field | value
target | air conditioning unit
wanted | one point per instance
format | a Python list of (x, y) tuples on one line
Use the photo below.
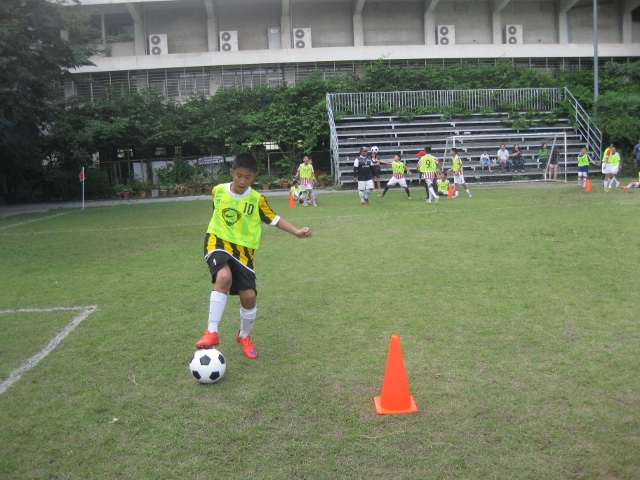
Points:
[(301, 38), (446, 35), (158, 44), (513, 34), (229, 41)]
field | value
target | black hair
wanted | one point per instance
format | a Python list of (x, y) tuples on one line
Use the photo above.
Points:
[(427, 149), (295, 181), (454, 150), (245, 160), (399, 156)]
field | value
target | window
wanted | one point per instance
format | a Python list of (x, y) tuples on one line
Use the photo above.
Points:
[(161, 152), (118, 24), (125, 153)]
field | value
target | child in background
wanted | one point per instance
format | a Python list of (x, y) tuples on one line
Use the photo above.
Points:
[(296, 191), (232, 237), (443, 184), (485, 161)]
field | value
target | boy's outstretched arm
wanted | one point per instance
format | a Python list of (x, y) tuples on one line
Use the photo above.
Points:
[(287, 227)]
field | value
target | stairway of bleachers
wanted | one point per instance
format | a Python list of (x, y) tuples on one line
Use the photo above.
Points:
[(392, 135)]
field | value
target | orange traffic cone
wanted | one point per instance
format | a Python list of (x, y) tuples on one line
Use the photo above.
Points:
[(450, 194), (395, 396), (292, 204), (587, 187)]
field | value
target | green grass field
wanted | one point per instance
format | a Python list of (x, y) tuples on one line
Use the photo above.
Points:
[(517, 312)]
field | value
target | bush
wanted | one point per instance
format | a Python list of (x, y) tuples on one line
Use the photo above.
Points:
[(59, 185)]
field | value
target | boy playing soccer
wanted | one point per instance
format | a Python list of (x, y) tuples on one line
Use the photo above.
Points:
[(232, 236), (583, 167), (398, 168), (458, 175), (307, 179), (442, 184), (296, 191), (427, 166)]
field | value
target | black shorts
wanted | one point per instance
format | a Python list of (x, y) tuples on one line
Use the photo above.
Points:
[(241, 277)]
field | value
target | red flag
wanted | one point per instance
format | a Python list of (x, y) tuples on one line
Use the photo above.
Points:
[(81, 175)]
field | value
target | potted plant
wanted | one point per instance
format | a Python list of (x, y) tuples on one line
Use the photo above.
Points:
[(164, 190), (265, 181), (122, 190), (284, 183), (324, 180)]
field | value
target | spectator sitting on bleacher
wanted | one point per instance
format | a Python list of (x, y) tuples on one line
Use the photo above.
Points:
[(485, 160), (504, 159), (518, 161)]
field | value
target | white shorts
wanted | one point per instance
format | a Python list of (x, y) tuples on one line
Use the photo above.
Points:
[(459, 179), (365, 184), (397, 181), (306, 186), (429, 181), (614, 170)]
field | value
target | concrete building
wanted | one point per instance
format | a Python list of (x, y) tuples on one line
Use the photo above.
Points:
[(197, 46)]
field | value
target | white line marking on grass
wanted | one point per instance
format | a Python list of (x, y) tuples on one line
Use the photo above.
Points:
[(34, 220), (53, 343)]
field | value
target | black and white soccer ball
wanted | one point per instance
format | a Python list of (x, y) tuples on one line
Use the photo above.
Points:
[(208, 365), (374, 149)]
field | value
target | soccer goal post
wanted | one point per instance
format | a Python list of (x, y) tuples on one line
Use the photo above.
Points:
[(527, 167)]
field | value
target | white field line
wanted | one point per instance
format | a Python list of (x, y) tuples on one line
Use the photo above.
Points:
[(53, 343), (34, 220)]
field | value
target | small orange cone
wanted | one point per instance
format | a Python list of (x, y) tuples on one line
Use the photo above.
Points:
[(292, 204), (450, 194), (395, 396), (587, 187)]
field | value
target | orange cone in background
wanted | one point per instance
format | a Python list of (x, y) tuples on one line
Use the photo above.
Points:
[(395, 396), (292, 204), (587, 187), (450, 194)]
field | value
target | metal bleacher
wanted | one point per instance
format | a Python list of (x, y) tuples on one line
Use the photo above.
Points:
[(394, 134)]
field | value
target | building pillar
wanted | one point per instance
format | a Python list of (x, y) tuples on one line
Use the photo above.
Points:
[(139, 31), (627, 26), (213, 44), (430, 22), (358, 30)]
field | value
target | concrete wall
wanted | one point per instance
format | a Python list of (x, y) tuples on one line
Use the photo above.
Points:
[(581, 24), (387, 23), (471, 19), (331, 23), (185, 24), (538, 20), (252, 24)]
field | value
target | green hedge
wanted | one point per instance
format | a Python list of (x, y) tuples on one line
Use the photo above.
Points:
[(65, 186)]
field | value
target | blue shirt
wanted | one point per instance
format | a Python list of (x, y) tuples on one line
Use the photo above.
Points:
[(636, 150)]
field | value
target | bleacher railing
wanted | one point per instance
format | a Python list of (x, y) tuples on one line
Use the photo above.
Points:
[(589, 131), (371, 103)]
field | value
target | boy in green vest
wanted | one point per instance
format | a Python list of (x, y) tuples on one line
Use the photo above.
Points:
[(296, 192), (583, 167), (398, 168), (232, 237)]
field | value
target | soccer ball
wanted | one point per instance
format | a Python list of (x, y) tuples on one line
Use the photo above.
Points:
[(207, 365), (374, 149)]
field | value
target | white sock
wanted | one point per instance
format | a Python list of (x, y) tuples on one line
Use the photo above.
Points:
[(361, 193), (432, 194), (247, 317), (217, 303), (468, 192)]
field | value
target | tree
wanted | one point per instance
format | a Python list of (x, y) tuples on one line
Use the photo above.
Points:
[(40, 41)]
